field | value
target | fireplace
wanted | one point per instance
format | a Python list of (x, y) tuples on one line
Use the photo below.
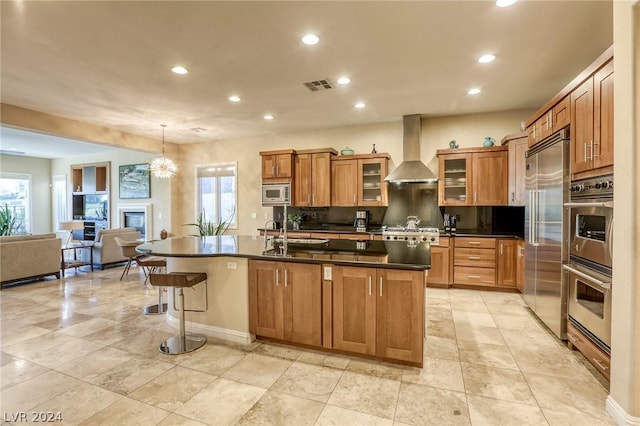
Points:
[(139, 216)]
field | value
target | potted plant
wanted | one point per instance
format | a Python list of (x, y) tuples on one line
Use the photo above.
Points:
[(9, 223), (208, 228), (296, 220)]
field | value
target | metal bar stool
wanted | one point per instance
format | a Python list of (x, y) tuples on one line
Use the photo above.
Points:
[(183, 343), (150, 265)]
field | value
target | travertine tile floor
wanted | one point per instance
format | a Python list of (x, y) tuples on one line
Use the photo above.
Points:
[(81, 347)]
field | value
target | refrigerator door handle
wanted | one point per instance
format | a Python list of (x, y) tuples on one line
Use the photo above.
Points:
[(531, 209)]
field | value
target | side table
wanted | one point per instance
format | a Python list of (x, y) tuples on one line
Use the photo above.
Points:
[(77, 259)]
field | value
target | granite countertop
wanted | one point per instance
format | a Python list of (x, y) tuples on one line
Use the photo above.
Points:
[(377, 229), (476, 233), (387, 254)]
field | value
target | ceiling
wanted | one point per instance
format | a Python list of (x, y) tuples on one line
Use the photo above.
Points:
[(108, 63)]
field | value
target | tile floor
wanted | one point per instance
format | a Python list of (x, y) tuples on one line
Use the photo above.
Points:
[(81, 347)]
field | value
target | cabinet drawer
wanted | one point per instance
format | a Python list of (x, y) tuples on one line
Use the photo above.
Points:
[(473, 275), (485, 258), (474, 242), (593, 354)]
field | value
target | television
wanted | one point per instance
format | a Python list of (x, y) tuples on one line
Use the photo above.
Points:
[(96, 207)]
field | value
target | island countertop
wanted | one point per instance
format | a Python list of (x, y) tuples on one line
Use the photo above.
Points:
[(386, 254)]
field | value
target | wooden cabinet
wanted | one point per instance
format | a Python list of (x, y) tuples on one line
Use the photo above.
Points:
[(506, 264), (600, 360), (517, 144), (285, 301), (520, 266), (277, 166), (592, 123), (312, 178), (473, 177), (474, 261), (550, 122), (379, 312), (440, 263), (358, 180), (90, 178)]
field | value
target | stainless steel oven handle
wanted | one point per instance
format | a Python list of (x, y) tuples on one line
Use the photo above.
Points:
[(602, 284), (608, 204)]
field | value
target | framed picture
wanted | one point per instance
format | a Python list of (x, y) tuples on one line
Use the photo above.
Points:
[(135, 181)]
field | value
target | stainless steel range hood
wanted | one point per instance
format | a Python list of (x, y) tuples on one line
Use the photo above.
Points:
[(411, 169)]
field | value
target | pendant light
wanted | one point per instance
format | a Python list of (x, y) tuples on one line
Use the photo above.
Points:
[(163, 167)]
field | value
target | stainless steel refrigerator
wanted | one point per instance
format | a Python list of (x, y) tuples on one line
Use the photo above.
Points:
[(546, 231)]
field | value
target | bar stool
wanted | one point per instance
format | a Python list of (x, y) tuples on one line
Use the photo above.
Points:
[(183, 343), (150, 265), (128, 249)]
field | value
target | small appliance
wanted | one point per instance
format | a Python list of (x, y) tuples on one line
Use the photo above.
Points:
[(361, 223), (276, 194)]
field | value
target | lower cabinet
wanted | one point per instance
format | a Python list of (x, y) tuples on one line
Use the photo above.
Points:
[(440, 263), (506, 265), (474, 261), (285, 301), (379, 312)]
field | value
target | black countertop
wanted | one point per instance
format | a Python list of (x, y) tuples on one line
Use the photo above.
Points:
[(387, 254)]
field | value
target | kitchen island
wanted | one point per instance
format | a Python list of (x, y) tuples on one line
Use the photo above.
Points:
[(356, 297)]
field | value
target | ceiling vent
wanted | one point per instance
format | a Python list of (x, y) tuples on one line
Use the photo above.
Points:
[(11, 152), (318, 85)]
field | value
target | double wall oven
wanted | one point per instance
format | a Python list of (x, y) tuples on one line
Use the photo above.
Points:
[(590, 258)]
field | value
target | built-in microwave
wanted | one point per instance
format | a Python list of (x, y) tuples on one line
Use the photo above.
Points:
[(276, 194)]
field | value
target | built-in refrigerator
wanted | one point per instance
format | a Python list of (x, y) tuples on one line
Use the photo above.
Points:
[(546, 231)]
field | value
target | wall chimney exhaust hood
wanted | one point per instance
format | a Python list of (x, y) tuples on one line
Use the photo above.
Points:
[(411, 169)]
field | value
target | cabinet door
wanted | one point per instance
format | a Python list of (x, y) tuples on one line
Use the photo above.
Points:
[(344, 182), (603, 117), (400, 314), (372, 188), (561, 114), (354, 309), (302, 303), (303, 179), (454, 186), (321, 180), (582, 127), (545, 125), (517, 151), (490, 178), (507, 263), (283, 165), (533, 132), (439, 272), (268, 166), (265, 299)]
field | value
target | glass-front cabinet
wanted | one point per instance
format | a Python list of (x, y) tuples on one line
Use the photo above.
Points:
[(455, 185), (372, 188)]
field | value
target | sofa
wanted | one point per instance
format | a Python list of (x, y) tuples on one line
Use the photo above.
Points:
[(28, 257), (106, 252)]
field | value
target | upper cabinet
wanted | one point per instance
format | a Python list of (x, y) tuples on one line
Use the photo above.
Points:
[(277, 166), (517, 143), (473, 177), (90, 178), (358, 180), (550, 122), (312, 177), (592, 123)]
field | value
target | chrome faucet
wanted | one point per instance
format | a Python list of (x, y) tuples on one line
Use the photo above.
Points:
[(266, 238)]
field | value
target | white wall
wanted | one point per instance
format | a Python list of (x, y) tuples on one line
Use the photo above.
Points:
[(41, 180)]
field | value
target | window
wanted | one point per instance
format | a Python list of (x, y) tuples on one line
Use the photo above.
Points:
[(216, 189), (15, 193)]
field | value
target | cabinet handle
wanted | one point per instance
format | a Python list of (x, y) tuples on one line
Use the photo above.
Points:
[(380, 286), (501, 248), (285, 278), (573, 338), (474, 243), (474, 257), (474, 276), (475, 197), (369, 285), (277, 170), (513, 196), (313, 197), (277, 277), (354, 198), (585, 152), (600, 364)]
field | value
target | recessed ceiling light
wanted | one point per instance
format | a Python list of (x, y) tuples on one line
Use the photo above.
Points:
[(505, 3), (234, 98), (360, 105), (484, 59), (268, 117), (310, 39), (179, 70), (474, 91), (344, 80)]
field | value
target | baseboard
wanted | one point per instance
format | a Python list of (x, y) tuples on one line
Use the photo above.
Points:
[(209, 330), (619, 414)]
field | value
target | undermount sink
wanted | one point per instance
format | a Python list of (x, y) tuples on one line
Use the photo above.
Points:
[(304, 240)]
